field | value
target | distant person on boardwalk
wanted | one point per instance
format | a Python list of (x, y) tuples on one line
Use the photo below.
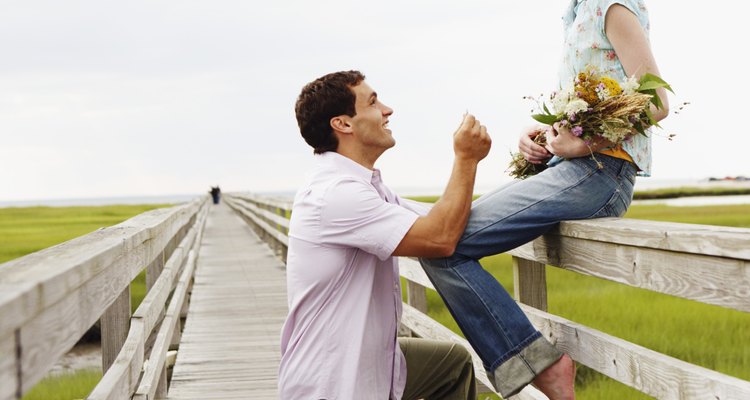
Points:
[(613, 37), (339, 340), (215, 194)]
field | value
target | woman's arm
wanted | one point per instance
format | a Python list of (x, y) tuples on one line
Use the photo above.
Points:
[(632, 48), (629, 40)]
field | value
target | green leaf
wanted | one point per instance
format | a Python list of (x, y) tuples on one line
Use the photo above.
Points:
[(651, 81), (547, 119), (546, 110)]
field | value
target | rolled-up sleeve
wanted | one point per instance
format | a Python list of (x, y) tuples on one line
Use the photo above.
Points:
[(354, 215)]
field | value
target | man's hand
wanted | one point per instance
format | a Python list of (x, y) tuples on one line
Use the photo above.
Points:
[(436, 234), (531, 151), (471, 141)]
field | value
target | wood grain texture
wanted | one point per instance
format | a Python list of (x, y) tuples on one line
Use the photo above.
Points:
[(8, 371), (709, 279), (650, 372), (154, 369), (411, 270), (530, 283), (121, 380), (115, 323), (284, 203), (122, 377), (150, 309), (709, 240), (264, 214), (267, 228), (48, 276), (230, 345)]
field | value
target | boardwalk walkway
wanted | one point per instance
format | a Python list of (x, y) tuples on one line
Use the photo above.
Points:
[(230, 345)]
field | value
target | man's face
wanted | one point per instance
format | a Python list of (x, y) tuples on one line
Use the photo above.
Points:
[(370, 125)]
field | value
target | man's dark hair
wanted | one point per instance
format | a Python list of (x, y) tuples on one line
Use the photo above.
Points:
[(321, 100)]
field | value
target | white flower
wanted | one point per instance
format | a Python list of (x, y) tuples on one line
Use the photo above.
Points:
[(561, 99), (576, 106), (630, 85)]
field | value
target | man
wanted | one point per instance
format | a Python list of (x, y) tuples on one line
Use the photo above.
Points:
[(339, 340)]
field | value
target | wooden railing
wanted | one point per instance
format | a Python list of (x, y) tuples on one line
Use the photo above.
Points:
[(49, 299), (708, 264)]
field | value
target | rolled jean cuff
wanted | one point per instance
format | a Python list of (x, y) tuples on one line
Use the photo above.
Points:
[(519, 370)]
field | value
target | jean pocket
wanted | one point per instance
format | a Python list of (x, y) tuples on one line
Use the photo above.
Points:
[(616, 206)]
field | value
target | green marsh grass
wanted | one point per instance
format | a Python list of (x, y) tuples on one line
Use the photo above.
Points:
[(66, 386), (24, 230), (709, 336)]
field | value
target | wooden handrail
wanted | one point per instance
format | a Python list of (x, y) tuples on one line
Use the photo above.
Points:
[(49, 299), (708, 264)]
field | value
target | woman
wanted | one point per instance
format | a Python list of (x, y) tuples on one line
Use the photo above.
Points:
[(613, 37)]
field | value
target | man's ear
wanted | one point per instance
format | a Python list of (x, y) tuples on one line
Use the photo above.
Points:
[(341, 124)]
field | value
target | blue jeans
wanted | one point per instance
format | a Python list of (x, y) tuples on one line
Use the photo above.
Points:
[(512, 350)]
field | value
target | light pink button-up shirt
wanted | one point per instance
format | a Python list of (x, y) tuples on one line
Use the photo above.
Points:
[(339, 339)]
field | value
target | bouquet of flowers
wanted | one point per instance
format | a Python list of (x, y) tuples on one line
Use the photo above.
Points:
[(597, 107)]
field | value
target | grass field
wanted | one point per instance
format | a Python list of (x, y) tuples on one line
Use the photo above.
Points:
[(25, 230), (705, 335)]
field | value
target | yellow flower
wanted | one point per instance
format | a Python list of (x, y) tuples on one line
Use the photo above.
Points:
[(587, 91), (585, 87), (613, 88)]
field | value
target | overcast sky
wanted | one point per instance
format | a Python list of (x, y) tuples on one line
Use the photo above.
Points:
[(132, 98)]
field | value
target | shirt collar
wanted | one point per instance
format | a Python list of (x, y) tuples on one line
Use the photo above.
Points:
[(347, 165)]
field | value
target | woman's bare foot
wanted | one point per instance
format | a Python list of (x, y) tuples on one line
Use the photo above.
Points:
[(557, 380)]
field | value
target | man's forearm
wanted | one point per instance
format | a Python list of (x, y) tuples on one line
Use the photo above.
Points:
[(437, 233), (451, 212)]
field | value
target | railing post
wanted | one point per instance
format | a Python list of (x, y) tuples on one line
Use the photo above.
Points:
[(115, 323), (416, 296), (530, 283)]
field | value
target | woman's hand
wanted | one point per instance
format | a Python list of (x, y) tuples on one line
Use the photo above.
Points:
[(531, 151), (561, 142)]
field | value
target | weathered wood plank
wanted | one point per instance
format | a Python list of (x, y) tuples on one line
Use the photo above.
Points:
[(48, 276), (8, 370), (530, 283), (416, 296), (230, 344), (150, 309), (624, 361), (653, 373), (713, 280), (122, 377), (268, 229), (55, 309), (115, 323), (264, 214), (709, 240), (155, 367), (284, 203), (410, 269)]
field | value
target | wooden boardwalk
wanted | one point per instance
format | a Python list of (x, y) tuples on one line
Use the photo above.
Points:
[(230, 345)]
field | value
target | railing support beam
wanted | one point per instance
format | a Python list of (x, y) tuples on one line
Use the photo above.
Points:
[(115, 323), (530, 283)]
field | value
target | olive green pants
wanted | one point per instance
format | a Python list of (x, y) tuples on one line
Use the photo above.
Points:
[(437, 370)]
